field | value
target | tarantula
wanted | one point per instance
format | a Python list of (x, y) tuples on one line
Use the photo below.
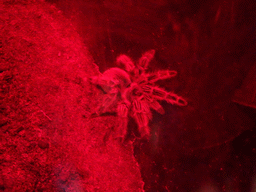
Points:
[(132, 91)]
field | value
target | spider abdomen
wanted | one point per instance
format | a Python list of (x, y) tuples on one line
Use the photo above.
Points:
[(118, 76)]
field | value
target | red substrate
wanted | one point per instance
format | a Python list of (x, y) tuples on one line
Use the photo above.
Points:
[(48, 140)]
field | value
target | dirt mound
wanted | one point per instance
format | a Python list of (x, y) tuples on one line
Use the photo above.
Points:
[(49, 142)]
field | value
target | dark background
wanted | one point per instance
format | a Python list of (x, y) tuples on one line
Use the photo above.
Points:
[(210, 144)]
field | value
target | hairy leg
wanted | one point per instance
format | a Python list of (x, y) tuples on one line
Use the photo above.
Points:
[(154, 92), (160, 75), (142, 115), (126, 62), (154, 104), (160, 94), (145, 59), (122, 112), (175, 99)]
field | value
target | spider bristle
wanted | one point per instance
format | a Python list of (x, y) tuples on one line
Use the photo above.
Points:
[(157, 107), (147, 88), (153, 77), (141, 119), (159, 93), (149, 54)]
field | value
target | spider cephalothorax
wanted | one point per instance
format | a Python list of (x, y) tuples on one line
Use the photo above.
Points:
[(132, 91)]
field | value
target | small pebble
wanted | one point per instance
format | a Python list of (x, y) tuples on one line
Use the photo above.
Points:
[(43, 144)]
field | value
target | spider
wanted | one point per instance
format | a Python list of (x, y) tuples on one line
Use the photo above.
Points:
[(132, 92)]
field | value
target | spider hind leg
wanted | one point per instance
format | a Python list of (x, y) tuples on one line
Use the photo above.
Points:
[(175, 99), (142, 115), (154, 104), (142, 121), (122, 112)]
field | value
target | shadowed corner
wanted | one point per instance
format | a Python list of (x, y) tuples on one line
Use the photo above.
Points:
[(246, 95)]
